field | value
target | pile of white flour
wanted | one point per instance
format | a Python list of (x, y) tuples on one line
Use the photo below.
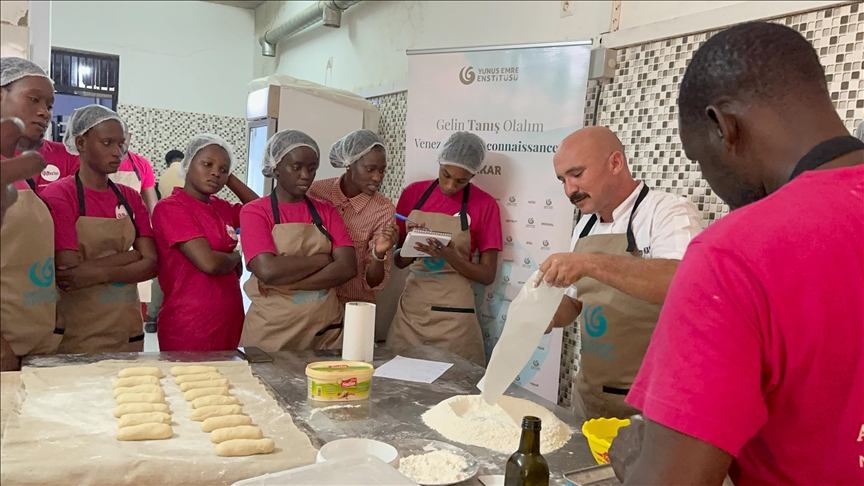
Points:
[(439, 467), (469, 420)]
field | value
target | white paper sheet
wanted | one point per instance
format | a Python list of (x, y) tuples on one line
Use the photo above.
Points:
[(527, 319), (410, 369), (496, 480)]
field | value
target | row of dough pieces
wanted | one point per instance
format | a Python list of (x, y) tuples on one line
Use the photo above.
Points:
[(144, 415)]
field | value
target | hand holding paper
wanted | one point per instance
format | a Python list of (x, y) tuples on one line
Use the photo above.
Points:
[(527, 319)]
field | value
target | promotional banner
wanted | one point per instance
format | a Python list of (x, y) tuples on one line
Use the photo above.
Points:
[(522, 100)]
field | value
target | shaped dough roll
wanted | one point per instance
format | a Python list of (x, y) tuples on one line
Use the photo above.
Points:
[(203, 392), (240, 432), (203, 413), (140, 408), (215, 400), (141, 398), (132, 419), (203, 384), (135, 381), (145, 432), (192, 370), (245, 447), (215, 423), (139, 389), (142, 371), (197, 377)]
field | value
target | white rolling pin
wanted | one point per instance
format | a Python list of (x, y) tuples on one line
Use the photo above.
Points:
[(358, 342)]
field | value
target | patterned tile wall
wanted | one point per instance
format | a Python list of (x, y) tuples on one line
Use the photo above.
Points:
[(640, 105), (155, 132)]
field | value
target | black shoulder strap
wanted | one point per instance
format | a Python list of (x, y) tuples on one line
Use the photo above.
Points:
[(79, 188), (426, 195), (125, 204), (316, 218), (631, 238), (590, 224), (32, 184), (463, 213)]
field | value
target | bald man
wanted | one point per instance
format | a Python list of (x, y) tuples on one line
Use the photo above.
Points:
[(626, 247)]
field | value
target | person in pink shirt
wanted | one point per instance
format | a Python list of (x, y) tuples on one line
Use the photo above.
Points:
[(27, 293), (756, 368), (102, 239), (298, 250), (196, 239), (137, 172), (437, 306)]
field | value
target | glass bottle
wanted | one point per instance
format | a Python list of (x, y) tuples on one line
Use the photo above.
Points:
[(526, 467)]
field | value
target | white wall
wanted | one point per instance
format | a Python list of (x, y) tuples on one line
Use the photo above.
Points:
[(14, 30), (179, 55), (368, 52), (369, 49)]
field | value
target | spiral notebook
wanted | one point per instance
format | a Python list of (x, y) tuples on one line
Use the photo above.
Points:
[(420, 235)]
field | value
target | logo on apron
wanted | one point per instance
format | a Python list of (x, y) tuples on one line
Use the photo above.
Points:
[(51, 173), (120, 211), (309, 296), (118, 293), (43, 276), (595, 322)]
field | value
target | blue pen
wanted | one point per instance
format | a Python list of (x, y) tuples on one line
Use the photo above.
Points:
[(404, 218)]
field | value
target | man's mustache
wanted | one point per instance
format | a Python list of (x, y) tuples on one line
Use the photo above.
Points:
[(578, 196)]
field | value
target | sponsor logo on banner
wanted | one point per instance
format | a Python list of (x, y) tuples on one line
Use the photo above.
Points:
[(532, 202), (490, 170), (506, 278), (548, 204), (530, 223), (508, 242), (526, 263), (509, 260), (467, 75), (547, 224), (503, 318), (512, 221), (50, 173), (545, 246)]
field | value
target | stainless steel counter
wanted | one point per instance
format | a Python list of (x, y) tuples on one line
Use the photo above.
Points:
[(393, 411)]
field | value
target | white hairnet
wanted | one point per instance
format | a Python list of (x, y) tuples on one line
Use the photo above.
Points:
[(85, 118), (859, 132), (281, 144), (197, 143), (353, 147), (14, 68), (463, 149)]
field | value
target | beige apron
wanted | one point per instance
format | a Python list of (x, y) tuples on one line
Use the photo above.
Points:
[(28, 295), (133, 180), (100, 318), (437, 306), (615, 328), (294, 319)]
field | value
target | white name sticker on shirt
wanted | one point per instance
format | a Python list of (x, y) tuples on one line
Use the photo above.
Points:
[(51, 173), (231, 232), (121, 212)]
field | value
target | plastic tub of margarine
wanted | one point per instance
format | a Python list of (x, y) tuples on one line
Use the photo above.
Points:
[(339, 381)]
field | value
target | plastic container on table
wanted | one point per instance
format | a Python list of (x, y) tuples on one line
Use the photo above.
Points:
[(366, 470), (339, 381), (600, 433)]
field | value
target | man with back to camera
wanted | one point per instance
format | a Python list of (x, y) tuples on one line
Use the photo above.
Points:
[(167, 182), (625, 249), (756, 367)]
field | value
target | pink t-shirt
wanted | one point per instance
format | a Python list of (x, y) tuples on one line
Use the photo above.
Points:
[(63, 199), (200, 312), (484, 215), (256, 223), (59, 164), (758, 350), (145, 169)]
